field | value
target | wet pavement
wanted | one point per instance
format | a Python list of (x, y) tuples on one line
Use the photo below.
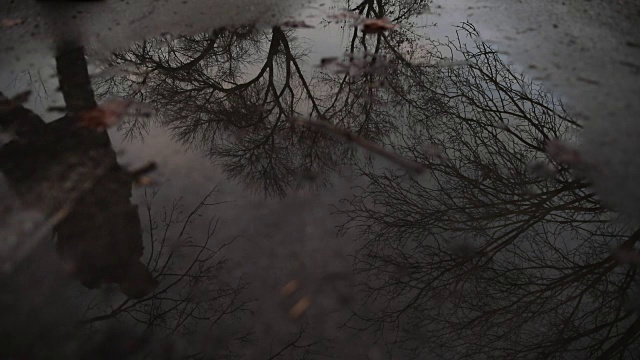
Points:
[(381, 179)]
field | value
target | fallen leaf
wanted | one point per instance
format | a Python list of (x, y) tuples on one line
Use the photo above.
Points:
[(105, 115), (145, 181), (300, 307), (290, 288), (7, 23), (374, 26)]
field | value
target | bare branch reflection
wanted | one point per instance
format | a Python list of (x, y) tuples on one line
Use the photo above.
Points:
[(195, 295), (498, 251), (230, 93), (483, 258)]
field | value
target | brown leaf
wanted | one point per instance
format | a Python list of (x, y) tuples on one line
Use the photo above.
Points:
[(374, 26), (300, 307), (7, 23), (105, 115), (145, 181), (289, 288)]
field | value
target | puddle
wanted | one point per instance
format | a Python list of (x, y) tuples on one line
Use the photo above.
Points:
[(282, 180)]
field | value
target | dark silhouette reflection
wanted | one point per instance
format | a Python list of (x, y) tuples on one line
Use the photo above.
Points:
[(105, 245), (200, 309), (196, 298), (70, 173), (498, 252)]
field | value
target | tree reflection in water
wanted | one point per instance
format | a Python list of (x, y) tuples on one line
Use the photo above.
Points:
[(195, 293), (496, 252), (483, 258)]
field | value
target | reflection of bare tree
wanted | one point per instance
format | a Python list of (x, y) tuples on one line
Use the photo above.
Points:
[(198, 301), (478, 259), (231, 96), (297, 347), (395, 10), (481, 258), (232, 91), (195, 294)]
